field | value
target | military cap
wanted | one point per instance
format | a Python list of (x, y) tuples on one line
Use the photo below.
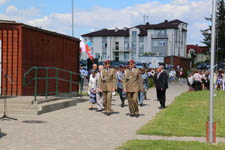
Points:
[(131, 62), (107, 62)]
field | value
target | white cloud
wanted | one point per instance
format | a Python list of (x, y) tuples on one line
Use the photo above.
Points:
[(190, 11), (3, 1), (28, 12), (19, 15)]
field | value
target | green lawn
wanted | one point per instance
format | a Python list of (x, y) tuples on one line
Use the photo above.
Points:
[(168, 145), (187, 116)]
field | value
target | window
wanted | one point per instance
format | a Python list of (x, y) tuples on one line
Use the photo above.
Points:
[(155, 44), (126, 45), (133, 56), (134, 33), (162, 43), (104, 56), (116, 45), (141, 45), (104, 45), (133, 45), (97, 55), (126, 56), (160, 32)]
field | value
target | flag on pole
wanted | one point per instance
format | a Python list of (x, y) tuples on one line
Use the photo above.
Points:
[(88, 50), (86, 47)]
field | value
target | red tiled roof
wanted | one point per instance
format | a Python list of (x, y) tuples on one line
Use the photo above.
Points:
[(198, 49)]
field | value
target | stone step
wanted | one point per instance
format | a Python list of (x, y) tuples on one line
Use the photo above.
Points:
[(25, 105), (56, 105)]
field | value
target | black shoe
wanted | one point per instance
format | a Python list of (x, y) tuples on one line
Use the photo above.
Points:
[(136, 115), (90, 108), (107, 113), (141, 104), (161, 107), (99, 110), (122, 105), (131, 115)]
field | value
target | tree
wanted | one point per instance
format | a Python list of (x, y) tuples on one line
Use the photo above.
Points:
[(220, 31)]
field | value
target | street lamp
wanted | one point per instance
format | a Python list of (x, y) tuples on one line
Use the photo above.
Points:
[(212, 72), (72, 19)]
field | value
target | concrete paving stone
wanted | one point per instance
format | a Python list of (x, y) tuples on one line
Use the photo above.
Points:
[(77, 128)]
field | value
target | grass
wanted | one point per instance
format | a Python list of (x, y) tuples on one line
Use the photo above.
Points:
[(168, 145), (187, 116)]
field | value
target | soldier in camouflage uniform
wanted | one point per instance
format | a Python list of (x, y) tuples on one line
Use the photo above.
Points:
[(107, 85), (132, 84)]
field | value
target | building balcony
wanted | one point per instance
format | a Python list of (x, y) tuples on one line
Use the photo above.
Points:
[(160, 36), (121, 49)]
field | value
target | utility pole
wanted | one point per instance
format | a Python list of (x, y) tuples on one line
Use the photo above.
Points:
[(212, 71), (72, 19)]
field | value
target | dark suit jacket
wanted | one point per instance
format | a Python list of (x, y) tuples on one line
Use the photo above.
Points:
[(162, 81)]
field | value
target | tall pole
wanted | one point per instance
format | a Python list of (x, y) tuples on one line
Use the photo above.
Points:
[(72, 19), (212, 71)]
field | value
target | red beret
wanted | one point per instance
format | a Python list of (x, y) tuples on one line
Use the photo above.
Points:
[(131, 62), (107, 61)]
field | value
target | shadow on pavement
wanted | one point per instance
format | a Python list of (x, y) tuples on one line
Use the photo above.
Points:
[(2, 134)]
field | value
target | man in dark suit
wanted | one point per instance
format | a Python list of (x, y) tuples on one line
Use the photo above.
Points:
[(161, 86)]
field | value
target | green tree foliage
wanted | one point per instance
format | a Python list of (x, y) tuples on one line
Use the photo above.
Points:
[(220, 31)]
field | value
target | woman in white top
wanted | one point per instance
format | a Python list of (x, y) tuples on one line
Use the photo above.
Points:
[(92, 88), (172, 75)]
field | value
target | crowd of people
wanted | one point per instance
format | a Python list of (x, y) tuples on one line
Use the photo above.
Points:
[(200, 80), (129, 82)]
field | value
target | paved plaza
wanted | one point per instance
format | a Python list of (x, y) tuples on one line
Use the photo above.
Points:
[(77, 128)]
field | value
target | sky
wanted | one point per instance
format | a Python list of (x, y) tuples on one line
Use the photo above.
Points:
[(92, 15)]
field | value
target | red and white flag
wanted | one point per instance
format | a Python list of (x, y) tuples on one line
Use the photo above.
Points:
[(86, 47)]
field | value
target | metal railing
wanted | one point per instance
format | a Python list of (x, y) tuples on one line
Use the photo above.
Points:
[(57, 78)]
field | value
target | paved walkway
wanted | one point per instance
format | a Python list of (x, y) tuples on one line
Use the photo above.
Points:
[(77, 128)]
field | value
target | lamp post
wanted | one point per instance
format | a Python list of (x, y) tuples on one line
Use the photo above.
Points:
[(72, 19), (212, 72)]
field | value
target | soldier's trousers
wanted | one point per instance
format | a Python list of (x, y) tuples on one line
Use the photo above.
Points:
[(107, 100), (133, 102)]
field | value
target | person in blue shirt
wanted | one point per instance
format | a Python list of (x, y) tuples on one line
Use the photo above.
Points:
[(83, 74), (119, 84), (141, 94)]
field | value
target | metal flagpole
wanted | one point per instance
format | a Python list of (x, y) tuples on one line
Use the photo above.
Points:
[(72, 19), (212, 71)]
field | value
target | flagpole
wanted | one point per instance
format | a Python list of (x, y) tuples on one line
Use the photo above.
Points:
[(212, 72), (72, 19)]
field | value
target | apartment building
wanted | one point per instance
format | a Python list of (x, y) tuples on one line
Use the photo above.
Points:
[(164, 39)]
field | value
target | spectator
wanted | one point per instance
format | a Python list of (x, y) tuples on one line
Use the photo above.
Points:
[(141, 94), (92, 88), (190, 82), (197, 82), (172, 75), (82, 77), (119, 84), (99, 98)]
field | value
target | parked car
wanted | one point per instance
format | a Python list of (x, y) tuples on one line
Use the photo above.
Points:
[(115, 64), (221, 66), (139, 65), (202, 66)]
